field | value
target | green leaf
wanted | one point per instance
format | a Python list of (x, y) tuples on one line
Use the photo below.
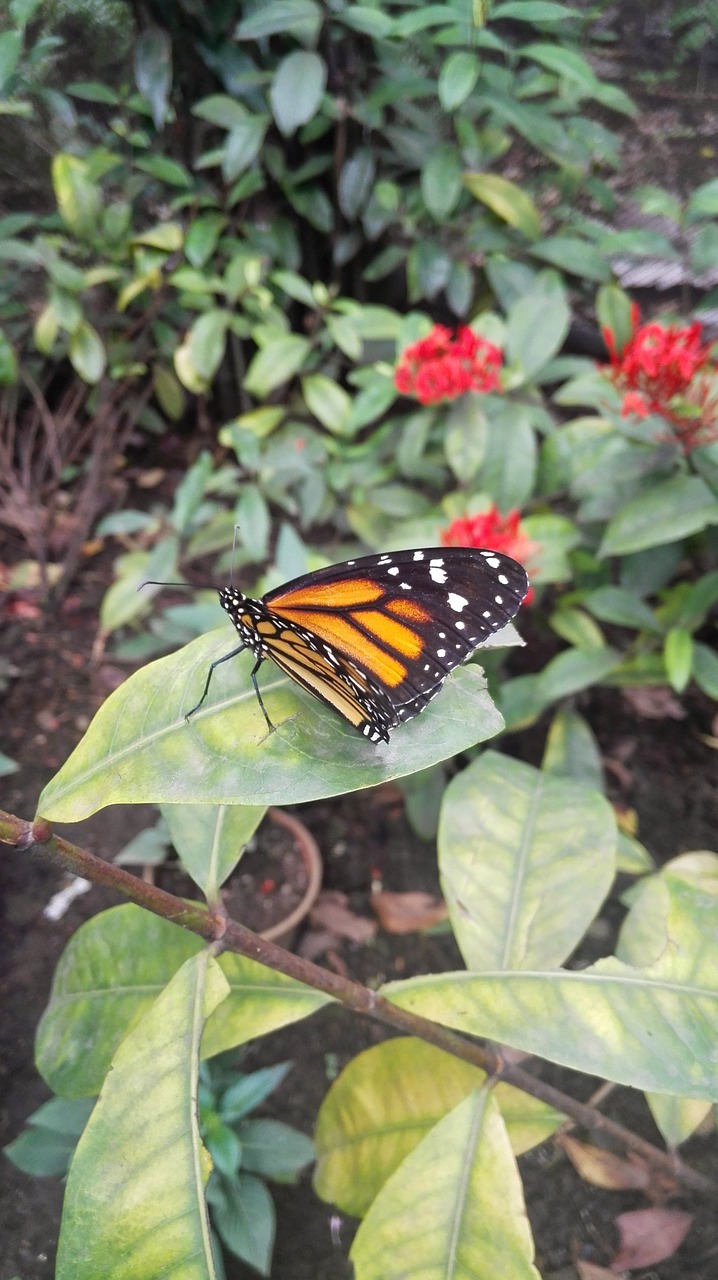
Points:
[(327, 401), (297, 90), (508, 467), (566, 63), (140, 1167), (371, 22), (572, 751), (273, 1149), (166, 236), (506, 200), (109, 975), (242, 145), (428, 15), (526, 859), (613, 309), (276, 362), (87, 353), (704, 249), (42, 1152), (457, 78), (165, 170), (652, 1027), (578, 257), (153, 70), (473, 1219), (301, 18), (139, 746), (168, 391), (8, 362), (441, 180), (632, 856), (63, 1115), (244, 1217), (246, 1092), (203, 237), (575, 669), (703, 202), (124, 600), (577, 627), (11, 43), (621, 607), (78, 198), (537, 325), (536, 11), (678, 657), (355, 182), (206, 342), (386, 1101), (93, 91), (221, 110), (705, 669), (465, 437), (211, 839), (670, 510)]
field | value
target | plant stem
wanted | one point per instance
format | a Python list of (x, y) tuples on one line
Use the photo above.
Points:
[(216, 927)]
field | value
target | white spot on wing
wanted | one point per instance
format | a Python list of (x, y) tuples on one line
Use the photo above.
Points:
[(436, 573), (457, 602)]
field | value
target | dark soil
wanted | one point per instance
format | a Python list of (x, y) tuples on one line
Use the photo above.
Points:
[(663, 768)]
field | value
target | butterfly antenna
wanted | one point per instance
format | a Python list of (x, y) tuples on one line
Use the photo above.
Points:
[(231, 563), (152, 582)]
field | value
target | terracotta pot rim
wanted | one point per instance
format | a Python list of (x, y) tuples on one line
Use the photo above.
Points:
[(312, 859)]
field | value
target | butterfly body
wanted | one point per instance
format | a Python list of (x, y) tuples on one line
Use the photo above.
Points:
[(375, 638)]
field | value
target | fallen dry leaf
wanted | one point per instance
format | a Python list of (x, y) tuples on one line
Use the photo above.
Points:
[(589, 1271), (654, 704), (150, 478), (605, 1168), (407, 912), (648, 1236), (330, 912), (626, 819)]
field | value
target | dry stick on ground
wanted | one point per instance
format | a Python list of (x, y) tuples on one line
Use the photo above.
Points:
[(218, 928)]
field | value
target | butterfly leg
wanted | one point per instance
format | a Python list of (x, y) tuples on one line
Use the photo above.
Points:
[(255, 669), (218, 663)]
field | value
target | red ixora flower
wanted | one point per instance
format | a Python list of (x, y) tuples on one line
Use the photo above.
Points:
[(494, 532), (664, 369), (442, 367)]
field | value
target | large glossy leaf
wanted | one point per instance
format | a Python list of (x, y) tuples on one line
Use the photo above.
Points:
[(526, 859), (135, 1191), (670, 510), (139, 746), (454, 1209), (651, 1027), (644, 934), (113, 969), (506, 200), (537, 325), (386, 1100), (297, 89), (153, 70), (210, 839)]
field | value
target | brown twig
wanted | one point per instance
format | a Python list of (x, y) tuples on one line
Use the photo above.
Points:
[(217, 928)]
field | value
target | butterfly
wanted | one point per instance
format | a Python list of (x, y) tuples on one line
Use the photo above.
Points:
[(375, 638)]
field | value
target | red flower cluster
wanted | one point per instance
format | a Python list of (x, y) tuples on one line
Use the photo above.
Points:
[(442, 367), (494, 532), (663, 369)]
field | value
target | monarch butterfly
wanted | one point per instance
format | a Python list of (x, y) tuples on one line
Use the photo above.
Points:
[(376, 637)]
